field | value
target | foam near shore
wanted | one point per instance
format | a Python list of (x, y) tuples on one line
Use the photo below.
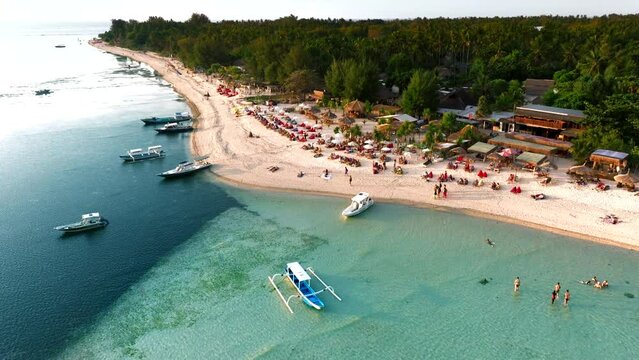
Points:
[(568, 209)]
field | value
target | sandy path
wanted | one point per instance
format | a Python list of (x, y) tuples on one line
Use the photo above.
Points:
[(243, 161)]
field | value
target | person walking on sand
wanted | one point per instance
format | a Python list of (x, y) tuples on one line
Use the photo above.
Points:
[(566, 297), (350, 180), (445, 192), (345, 170), (435, 192), (517, 284), (553, 297), (557, 288)]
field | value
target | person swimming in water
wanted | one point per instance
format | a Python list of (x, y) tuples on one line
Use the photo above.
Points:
[(490, 242), (517, 283)]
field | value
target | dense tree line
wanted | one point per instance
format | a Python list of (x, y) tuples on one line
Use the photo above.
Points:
[(594, 61)]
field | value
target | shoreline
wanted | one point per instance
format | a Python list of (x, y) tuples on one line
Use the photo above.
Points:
[(240, 161), (420, 205)]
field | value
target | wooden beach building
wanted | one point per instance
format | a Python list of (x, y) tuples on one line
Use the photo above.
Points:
[(546, 121), (614, 160), (523, 145)]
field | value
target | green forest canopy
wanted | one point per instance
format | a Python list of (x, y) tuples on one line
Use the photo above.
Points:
[(594, 61)]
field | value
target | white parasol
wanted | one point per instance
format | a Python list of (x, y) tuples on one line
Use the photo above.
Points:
[(368, 147), (386, 149), (352, 143), (370, 142), (426, 150)]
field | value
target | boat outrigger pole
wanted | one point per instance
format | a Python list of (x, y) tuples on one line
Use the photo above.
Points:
[(326, 286)]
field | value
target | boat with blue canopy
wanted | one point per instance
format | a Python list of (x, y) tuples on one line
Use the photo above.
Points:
[(301, 281)]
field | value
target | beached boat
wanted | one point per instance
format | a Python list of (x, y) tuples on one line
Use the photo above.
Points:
[(172, 128), (88, 222), (301, 281), (179, 116), (60, 46), (153, 152), (187, 168), (359, 204)]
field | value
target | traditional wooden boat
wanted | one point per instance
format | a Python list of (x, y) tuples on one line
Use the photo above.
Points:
[(301, 281), (153, 152)]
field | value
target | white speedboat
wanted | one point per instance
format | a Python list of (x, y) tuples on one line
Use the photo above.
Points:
[(187, 168), (360, 202)]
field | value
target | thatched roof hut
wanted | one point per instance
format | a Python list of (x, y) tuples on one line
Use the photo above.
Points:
[(355, 108), (626, 180), (346, 121), (381, 110)]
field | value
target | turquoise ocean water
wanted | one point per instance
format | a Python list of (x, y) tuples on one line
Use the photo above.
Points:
[(181, 272)]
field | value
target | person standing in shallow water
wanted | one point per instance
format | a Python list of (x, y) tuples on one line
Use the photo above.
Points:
[(553, 297), (566, 297), (517, 284), (557, 288)]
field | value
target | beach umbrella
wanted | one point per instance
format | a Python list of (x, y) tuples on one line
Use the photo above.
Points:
[(339, 137), (368, 147), (326, 136), (407, 154), (386, 149), (371, 142), (352, 143), (410, 146), (508, 152), (317, 126), (426, 150)]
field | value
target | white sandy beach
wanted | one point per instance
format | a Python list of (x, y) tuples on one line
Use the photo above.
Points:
[(569, 209)]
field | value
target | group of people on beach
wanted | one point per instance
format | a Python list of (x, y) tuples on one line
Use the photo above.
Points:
[(439, 191)]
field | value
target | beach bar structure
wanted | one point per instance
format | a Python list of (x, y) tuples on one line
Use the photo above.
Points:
[(546, 121), (482, 148), (563, 146), (614, 159), (531, 158), (523, 145)]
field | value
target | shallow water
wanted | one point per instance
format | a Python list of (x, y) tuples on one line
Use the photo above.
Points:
[(409, 279)]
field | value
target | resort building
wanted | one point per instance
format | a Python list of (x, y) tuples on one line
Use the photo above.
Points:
[(547, 121)]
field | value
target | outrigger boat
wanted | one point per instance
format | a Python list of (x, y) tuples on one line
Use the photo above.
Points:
[(360, 202), (301, 281), (179, 116), (89, 221), (153, 152), (171, 128), (187, 167)]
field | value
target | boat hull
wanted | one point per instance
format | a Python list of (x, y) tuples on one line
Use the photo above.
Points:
[(307, 294), (350, 213), (170, 174), (129, 158), (174, 131), (76, 228)]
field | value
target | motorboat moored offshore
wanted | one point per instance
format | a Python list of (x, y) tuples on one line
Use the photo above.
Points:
[(171, 128), (301, 281), (179, 116), (360, 202), (90, 221), (187, 168), (152, 152)]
